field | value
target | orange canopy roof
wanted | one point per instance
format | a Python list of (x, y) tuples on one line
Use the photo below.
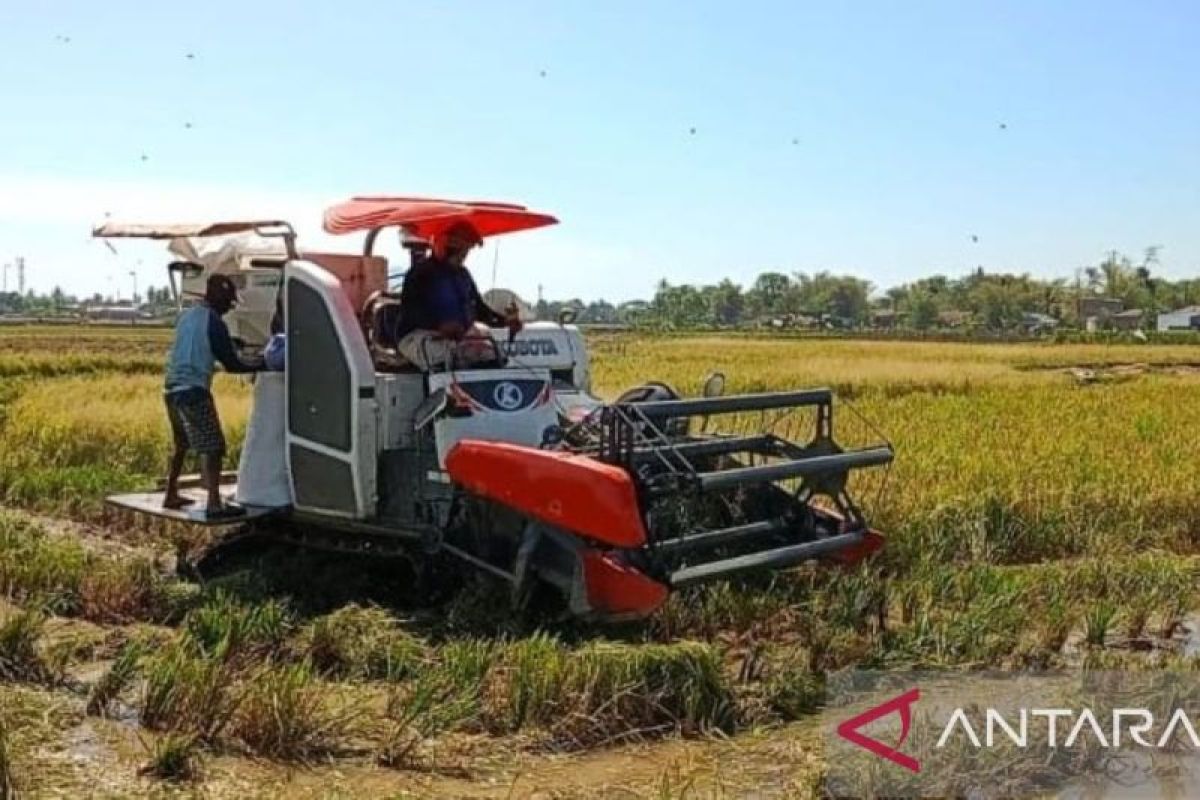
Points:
[(428, 217)]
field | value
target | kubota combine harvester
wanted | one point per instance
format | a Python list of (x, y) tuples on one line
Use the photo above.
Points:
[(514, 468)]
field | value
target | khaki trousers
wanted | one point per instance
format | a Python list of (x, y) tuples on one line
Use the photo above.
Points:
[(429, 350)]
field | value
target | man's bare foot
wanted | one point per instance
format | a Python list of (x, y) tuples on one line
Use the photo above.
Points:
[(177, 501)]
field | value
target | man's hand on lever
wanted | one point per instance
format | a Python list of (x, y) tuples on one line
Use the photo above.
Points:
[(512, 316)]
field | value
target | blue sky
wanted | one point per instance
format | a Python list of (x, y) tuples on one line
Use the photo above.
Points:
[(857, 137)]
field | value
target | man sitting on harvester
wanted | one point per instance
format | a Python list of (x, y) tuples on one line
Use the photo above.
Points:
[(201, 339), (442, 315)]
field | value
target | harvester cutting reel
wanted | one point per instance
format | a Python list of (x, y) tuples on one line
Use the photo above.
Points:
[(686, 491)]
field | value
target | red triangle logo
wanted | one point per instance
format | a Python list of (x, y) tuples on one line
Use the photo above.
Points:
[(902, 705)]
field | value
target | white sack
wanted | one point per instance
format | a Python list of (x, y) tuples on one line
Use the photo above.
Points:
[(262, 471)]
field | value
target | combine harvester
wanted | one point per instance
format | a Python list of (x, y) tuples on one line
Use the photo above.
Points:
[(516, 468)]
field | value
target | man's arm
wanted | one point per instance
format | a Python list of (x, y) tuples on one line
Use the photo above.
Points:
[(222, 347), (485, 313)]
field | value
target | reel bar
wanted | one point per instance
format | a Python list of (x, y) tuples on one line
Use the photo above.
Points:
[(712, 446), (778, 558), (815, 465), (720, 536), (702, 406)]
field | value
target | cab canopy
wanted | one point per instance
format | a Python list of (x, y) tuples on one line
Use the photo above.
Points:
[(139, 230), (426, 218)]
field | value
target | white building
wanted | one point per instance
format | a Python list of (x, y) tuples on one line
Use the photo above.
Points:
[(1181, 319)]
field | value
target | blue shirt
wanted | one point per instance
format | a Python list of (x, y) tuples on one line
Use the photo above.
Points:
[(201, 339), (435, 293), (450, 298)]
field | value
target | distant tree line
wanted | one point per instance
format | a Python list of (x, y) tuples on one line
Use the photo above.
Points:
[(58, 302), (1001, 301), (993, 300)]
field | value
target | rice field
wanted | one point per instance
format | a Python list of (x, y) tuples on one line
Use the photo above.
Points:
[(1060, 478)]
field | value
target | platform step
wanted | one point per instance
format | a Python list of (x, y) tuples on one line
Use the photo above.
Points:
[(150, 503)]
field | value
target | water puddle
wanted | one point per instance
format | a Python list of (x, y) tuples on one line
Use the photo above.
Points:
[(83, 745)]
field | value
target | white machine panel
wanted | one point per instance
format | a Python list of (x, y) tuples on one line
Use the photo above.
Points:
[(506, 405), (548, 345), (398, 397), (330, 405)]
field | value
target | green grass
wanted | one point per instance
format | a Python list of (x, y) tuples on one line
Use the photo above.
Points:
[(791, 689), (225, 628), (117, 678), (361, 643), (285, 713), (173, 757), (20, 654), (8, 786), (187, 692), (1097, 622), (35, 567), (422, 710), (605, 690), (59, 574)]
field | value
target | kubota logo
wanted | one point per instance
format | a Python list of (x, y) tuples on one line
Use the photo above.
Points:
[(508, 395), (902, 705), (530, 347)]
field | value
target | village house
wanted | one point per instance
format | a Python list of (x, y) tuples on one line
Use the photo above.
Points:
[(1181, 319), (1129, 320)]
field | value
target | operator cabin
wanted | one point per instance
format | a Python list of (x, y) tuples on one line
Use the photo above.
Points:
[(417, 373)]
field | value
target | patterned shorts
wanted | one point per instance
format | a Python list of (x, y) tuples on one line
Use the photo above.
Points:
[(194, 421)]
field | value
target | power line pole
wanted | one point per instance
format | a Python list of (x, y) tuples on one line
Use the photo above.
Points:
[(20, 276)]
